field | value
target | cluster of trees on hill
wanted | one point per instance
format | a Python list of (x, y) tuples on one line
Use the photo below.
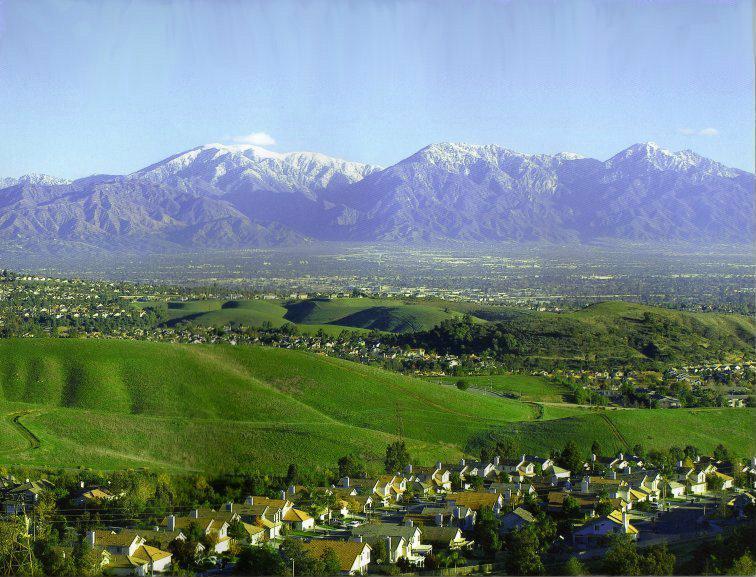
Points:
[(651, 341)]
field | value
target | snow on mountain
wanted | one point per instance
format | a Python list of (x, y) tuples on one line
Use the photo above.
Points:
[(232, 168), (244, 195)]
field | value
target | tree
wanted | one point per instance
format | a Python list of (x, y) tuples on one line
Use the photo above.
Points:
[(330, 562), (237, 531), (184, 552), (292, 550), (397, 457), (260, 561), (744, 565), (487, 531), (523, 555), (462, 385), (570, 458), (574, 567), (657, 560), (351, 466), (604, 507), (292, 474), (508, 448), (622, 557), (379, 554), (87, 560), (570, 507), (596, 448), (721, 453)]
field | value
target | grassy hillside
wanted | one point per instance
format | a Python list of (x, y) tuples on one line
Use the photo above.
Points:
[(106, 394), (620, 430), (110, 404), (380, 314)]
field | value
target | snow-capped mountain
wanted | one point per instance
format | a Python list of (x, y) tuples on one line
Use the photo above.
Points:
[(249, 168), (243, 195)]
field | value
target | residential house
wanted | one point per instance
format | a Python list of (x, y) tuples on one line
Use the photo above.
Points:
[(597, 530), (126, 553), (92, 496), (587, 502), (401, 540), (18, 498), (212, 523), (299, 520), (673, 489), (353, 556), (516, 519), (445, 538), (476, 500)]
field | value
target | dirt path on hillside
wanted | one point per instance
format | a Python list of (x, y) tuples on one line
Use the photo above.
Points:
[(32, 440)]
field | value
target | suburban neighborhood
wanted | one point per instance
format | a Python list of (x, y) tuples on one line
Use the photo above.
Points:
[(468, 514)]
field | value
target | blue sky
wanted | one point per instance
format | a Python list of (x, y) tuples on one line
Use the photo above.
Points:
[(90, 87)]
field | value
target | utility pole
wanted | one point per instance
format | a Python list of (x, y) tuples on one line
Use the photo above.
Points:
[(292, 568)]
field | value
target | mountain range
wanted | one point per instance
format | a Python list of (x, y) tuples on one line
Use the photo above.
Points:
[(230, 196)]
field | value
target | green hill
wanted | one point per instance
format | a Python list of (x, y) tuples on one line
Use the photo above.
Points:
[(391, 315), (110, 404), (136, 400), (311, 315)]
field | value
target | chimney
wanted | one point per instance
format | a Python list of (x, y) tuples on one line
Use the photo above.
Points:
[(357, 538), (625, 521), (91, 538), (292, 489), (496, 460), (439, 465), (698, 458), (344, 482), (250, 500), (408, 469), (613, 474), (81, 484), (593, 457), (409, 523), (679, 463), (458, 512), (171, 525), (629, 470), (230, 506), (194, 514), (283, 495), (461, 462), (584, 484), (621, 456), (439, 519)]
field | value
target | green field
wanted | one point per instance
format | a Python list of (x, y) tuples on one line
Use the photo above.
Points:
[(109, 404), (523, 387)]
